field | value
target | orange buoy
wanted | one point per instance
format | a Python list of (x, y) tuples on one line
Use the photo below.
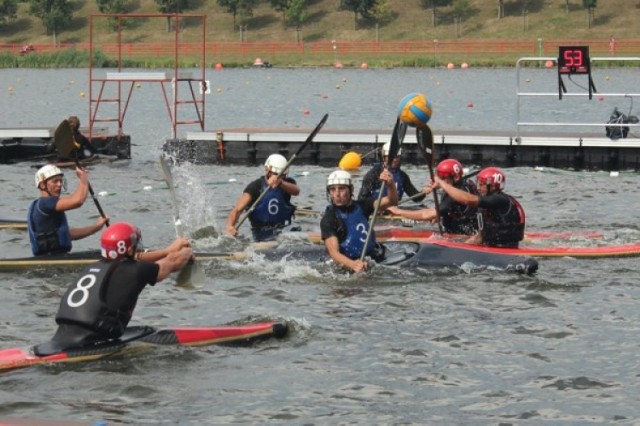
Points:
[(464, 66), (218, 66), (338, 64), (548, 64), (364, 65), (258, 62), (450, 66)]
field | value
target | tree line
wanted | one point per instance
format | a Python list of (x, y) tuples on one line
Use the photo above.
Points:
[(55, 15)]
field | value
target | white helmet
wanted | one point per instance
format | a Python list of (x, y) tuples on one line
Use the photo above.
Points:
[(276, 163), (339, 177), (386, 147), (47, 172)]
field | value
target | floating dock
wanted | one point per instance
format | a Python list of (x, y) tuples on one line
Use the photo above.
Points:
[(36, 144), (504, 149)]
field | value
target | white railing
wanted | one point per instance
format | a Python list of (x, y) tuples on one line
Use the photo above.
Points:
[(547, 124)]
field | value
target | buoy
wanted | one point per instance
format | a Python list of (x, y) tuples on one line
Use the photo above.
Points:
[(350, 161), (258, 62), (218, 66), (147, 188), (338, 86), (450, 66), (464, 66), (549, 64), (103, 193), (82, 94), (233, 180), (614, 174), (364, 65), (469, 104), (325, 96), (219, 90), (305, 173), (601, 98), (306, 111), (138, 85), (338, 64)]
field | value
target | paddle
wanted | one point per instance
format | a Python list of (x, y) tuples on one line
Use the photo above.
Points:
[(193, 272), (397, 137), (63, 140), (286, 167), (425, 141)]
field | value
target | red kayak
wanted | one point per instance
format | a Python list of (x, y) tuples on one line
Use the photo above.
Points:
[(401, 233), (138, 338)]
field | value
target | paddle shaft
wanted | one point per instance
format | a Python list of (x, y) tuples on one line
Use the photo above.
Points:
[(93, 195), (399, 130), (309, 140)]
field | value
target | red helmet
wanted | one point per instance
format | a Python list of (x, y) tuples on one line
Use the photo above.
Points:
[(449, 168), (117, 238), (493, 177)]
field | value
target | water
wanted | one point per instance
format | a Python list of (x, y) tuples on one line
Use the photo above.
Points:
[(408, 346)]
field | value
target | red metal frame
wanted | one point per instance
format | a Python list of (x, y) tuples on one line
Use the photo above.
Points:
[(172, 106)]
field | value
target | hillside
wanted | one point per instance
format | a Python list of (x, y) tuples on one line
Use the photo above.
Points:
[(547, 19)]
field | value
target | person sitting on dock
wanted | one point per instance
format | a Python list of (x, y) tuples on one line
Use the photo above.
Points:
[(345, 223), (371, 182), (49, 231), (84, 148), (99, 305), (274, 211), (457, 218), (501, 218)]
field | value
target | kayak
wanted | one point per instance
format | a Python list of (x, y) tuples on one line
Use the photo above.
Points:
[(417, 234), (13, 224), (138, 338), (96, 159), (427, 254), (391, 232)]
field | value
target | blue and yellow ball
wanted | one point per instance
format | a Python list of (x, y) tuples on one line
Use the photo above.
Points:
[(415, 110)]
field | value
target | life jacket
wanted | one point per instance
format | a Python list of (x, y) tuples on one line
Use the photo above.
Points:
[(502, 229), (355, 226), (84, 303), (397, 177), (273, 209), (52, 235), (461, 218)]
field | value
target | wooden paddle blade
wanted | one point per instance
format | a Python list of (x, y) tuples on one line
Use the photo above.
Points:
[(63, 139)]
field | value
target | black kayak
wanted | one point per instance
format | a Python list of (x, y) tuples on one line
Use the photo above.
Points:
[(422, 255), (426, 254)]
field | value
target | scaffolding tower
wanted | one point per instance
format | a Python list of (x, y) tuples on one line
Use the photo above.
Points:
[(109, 87)]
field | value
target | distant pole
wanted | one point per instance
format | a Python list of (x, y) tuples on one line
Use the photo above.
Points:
[(540, 51), (377, 27), (435, 53)]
